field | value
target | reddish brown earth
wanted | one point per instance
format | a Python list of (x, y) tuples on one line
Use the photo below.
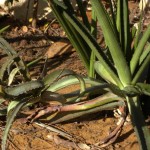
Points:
[(89, 129)]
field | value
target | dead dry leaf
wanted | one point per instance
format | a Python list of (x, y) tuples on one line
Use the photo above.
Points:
[(59, 48)]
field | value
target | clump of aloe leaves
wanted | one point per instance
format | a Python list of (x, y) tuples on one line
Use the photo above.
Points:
[(122, 63), (114, 73)]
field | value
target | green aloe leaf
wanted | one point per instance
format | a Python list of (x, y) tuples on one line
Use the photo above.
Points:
[(140, 47), (94, 33), (10, 118), (138, 31), (54, 85), (60, 3), (145, 53), (6, 47), (141, 69), (106, 98), (91, 42), (12, 75), (93, 45), (100, 69), (123, 27), (72, 80), (133, 31), (82, 10), (23, 88), (138, 121), (19, 62), (5, 65), (56, 75), (12, 105), (76, 40), (94, 89), (145, 88), (112, 42), (3, 29), (113, 9), (62, 117)]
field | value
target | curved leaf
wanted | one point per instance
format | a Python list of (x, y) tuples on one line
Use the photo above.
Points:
[(5, 65), (72, 80), (54, 76), (10, 118), (6, 47), (24, 88), (3, 29), (12, 75), (12, 105)]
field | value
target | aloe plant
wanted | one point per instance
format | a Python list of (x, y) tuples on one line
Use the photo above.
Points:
[(125, 59), (119, 85)]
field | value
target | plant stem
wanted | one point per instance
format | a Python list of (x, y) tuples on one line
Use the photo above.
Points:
[(138, 121)]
